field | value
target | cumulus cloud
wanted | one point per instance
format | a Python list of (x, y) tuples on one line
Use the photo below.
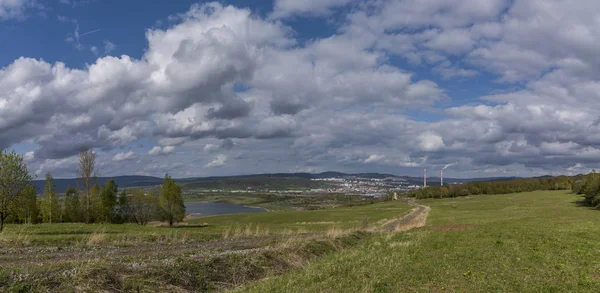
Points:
[(10, 9), (334, 102), (124, 156), (157, 150), (430, 141), (217, 162)]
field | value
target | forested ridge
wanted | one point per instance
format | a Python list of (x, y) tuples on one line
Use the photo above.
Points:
[(498, 187)]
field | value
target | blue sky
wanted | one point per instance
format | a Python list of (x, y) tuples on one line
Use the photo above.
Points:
[(493, 87)]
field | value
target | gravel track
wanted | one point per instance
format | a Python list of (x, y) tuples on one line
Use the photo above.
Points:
[(415, 219)]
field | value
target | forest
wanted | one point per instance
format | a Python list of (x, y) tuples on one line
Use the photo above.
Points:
[(496, 187)]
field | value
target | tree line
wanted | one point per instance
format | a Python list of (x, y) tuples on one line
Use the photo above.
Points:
[(495, 187), (90, 203), (589, 187)]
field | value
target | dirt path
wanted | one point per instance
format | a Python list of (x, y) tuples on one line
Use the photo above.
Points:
[(415, 219)]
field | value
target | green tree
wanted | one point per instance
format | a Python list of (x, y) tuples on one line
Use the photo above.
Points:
[(122, 209), (95, 205), (172, 208), (26, 206), (86, 175), (72, 206), (444, 192), (109, 200), (49, 206), (14, 178), (143, 206)]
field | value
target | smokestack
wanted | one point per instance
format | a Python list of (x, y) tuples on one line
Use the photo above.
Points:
[(442, 173), (424, 177)]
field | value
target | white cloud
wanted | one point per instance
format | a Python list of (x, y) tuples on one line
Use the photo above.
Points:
[(124, 156), (209, 147), (217, 162), (336, 102), (15, 8), (28, 156), (430, 141), (374, 158), (157, 150)]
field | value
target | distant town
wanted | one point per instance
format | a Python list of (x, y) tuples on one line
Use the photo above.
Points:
[(355, 185)]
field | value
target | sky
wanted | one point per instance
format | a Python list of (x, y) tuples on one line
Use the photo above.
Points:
[(485, 88)]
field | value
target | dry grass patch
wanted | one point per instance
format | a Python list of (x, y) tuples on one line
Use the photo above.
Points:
[(97, 238), (244, 231), (419, 221)]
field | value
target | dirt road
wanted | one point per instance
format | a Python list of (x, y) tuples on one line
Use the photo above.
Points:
[(415, 219)]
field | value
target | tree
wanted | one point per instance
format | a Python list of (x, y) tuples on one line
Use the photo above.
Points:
[(109, 200), (444, 192), (49, 205), (87, 174), (122, 210), (171, 204), (95, 213), (72, 205), (143, 206), (26, 206), (14, 178)]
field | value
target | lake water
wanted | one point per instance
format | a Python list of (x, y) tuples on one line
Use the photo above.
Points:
[(201, 209)]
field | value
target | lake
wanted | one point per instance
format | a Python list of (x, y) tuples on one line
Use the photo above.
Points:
[(201, 209)]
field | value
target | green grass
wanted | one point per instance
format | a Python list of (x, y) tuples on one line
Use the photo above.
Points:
[(530, 242), (309, 221), (69, 234), (132, 258), (272, 201), (201, 229)]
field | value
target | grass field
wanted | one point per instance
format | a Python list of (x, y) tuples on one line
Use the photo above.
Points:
[(529, 242), (205, 254), (201, 229), (308, 221), (273, 202)]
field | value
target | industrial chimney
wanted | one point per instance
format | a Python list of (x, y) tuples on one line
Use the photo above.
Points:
[(424, 177)]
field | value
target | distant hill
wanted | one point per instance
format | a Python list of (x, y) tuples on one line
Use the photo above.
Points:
[(123, 182), (275, 180)]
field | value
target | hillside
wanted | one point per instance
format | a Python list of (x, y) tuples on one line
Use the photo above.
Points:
[(122, 181), (279, 181)]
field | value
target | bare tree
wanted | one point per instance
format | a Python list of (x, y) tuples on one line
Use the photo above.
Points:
[(87, 177), (14, 178)]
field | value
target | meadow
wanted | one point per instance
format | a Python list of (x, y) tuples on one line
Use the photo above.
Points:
[(541, 241), (204, 254), (274, 202)]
